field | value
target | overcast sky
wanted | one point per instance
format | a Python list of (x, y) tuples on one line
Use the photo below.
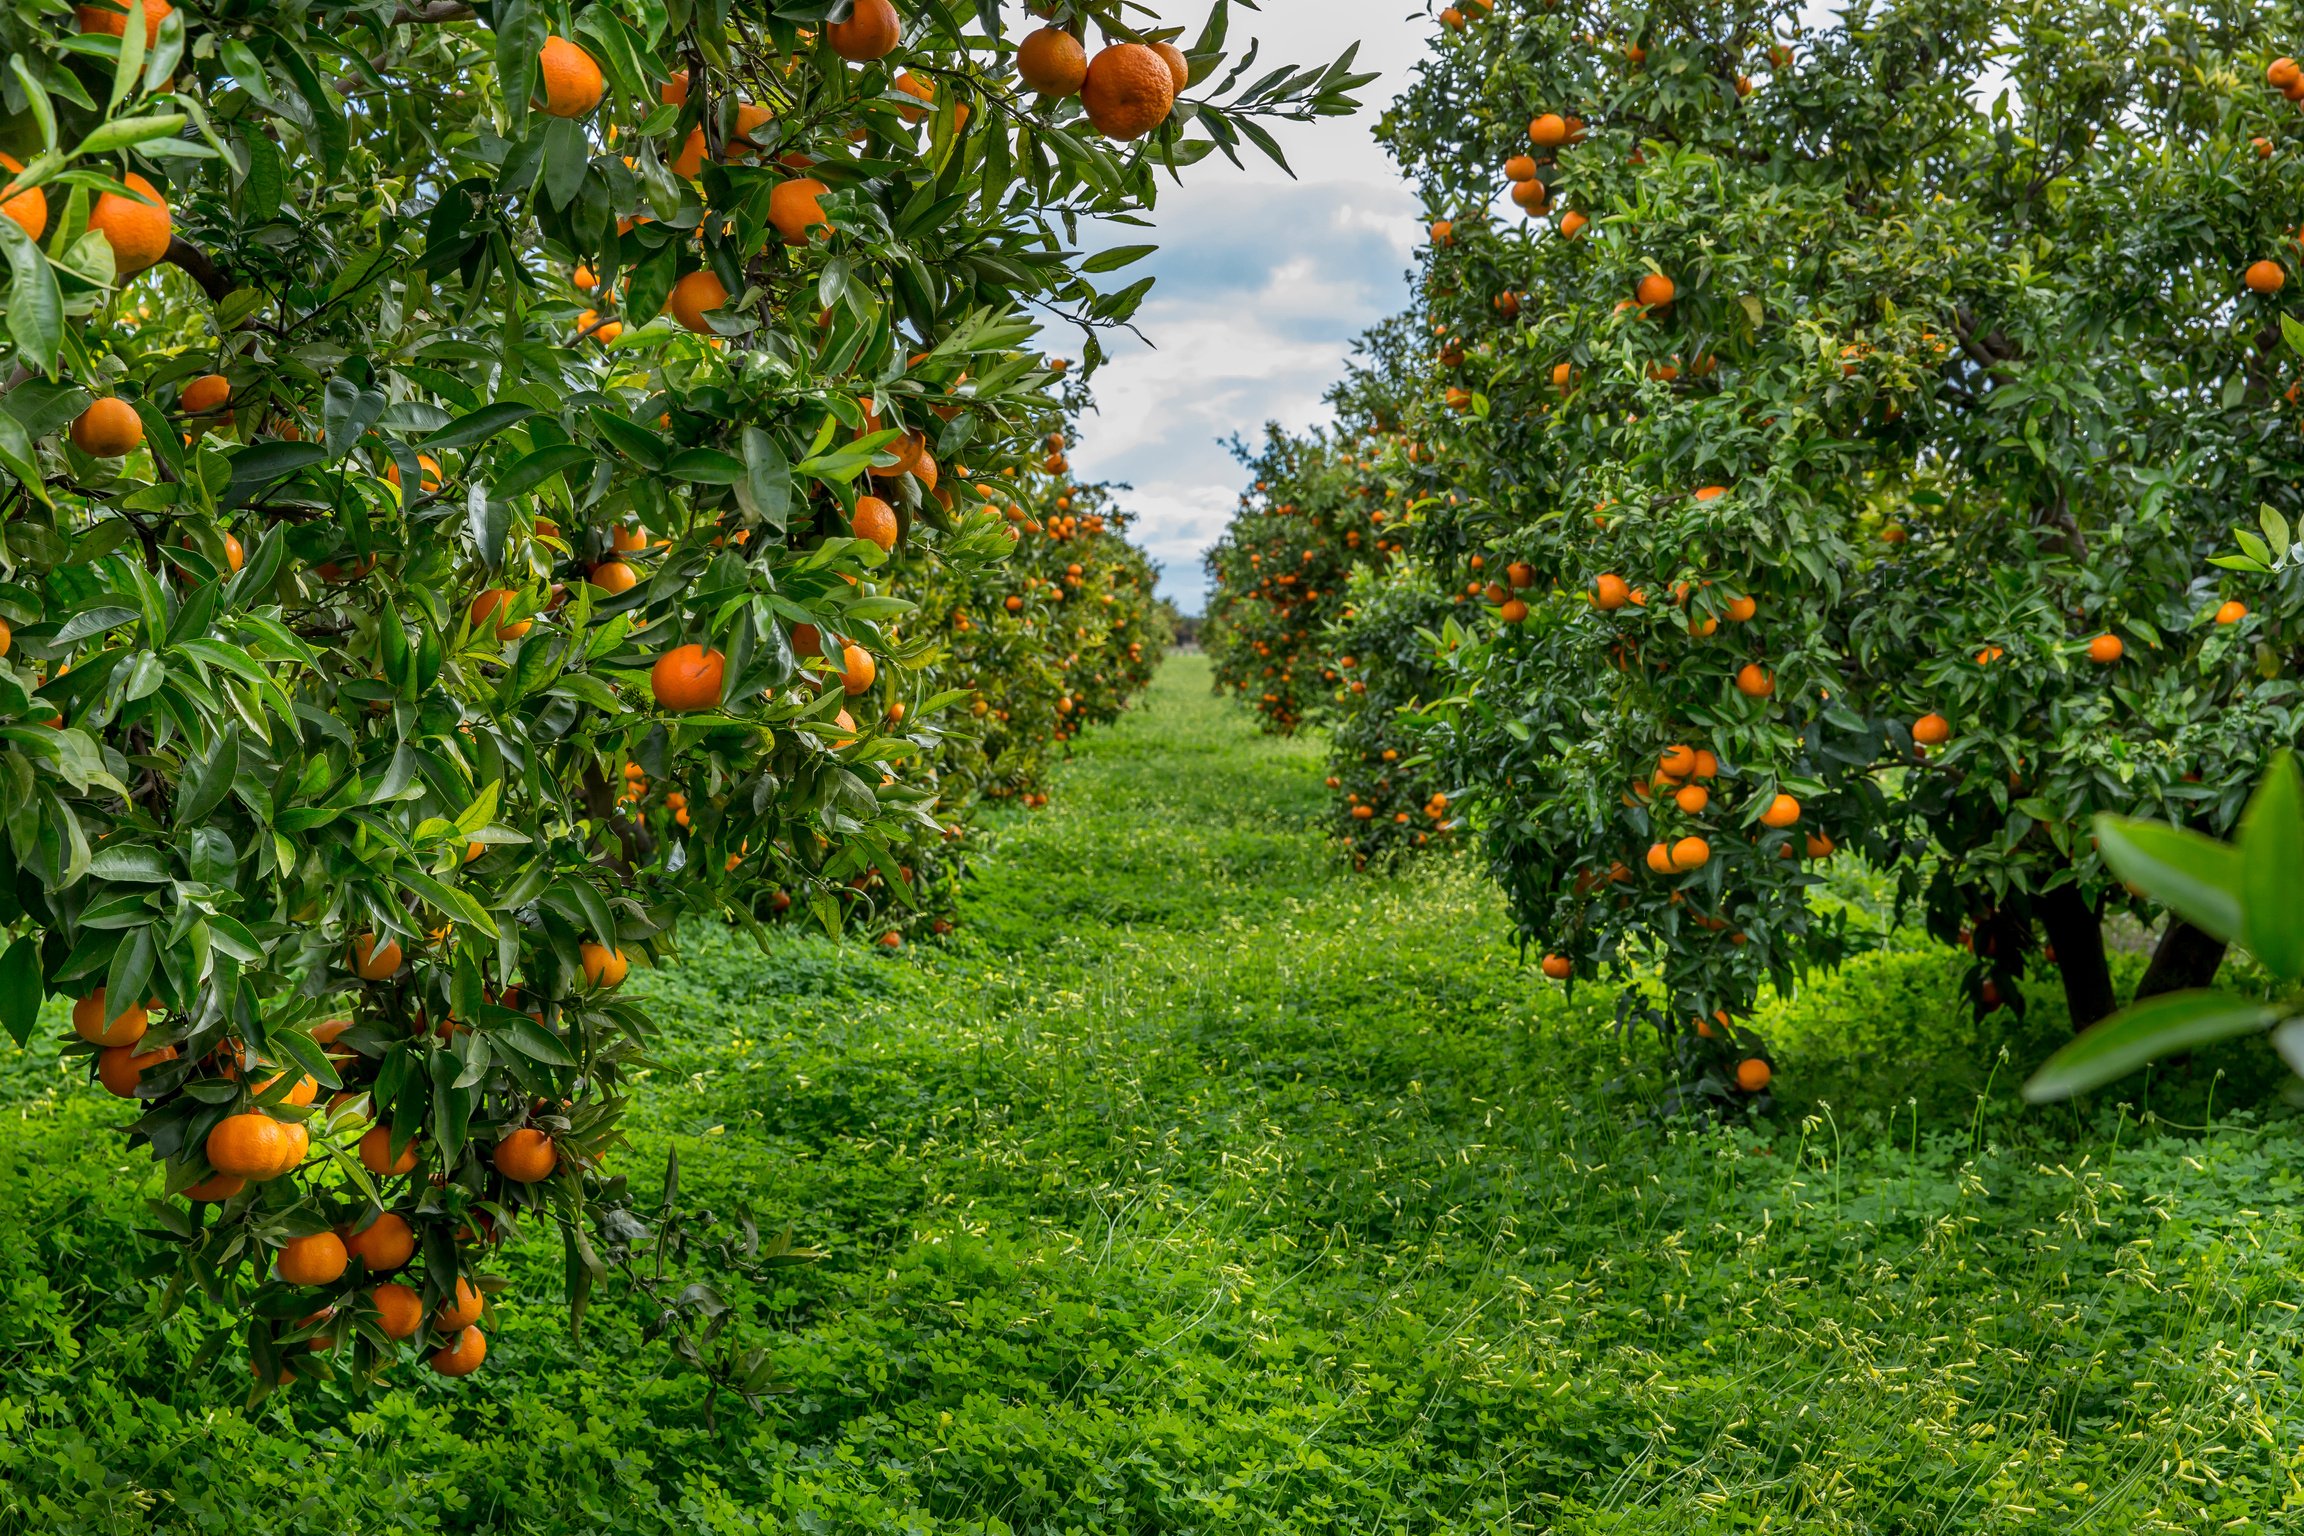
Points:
[(1263, 284)]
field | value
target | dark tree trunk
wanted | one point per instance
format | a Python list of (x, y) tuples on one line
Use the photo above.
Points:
[(2078, 934), (2184, 958)]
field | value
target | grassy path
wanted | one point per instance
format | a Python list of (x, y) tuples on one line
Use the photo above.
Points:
[(1199, 1186)]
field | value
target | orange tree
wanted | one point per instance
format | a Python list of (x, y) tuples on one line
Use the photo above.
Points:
[(1861, 449), (455, 465)]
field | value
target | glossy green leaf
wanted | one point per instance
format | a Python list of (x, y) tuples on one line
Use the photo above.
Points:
[(2160, 1026)]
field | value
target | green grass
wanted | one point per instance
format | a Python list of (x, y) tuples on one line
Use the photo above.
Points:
[(1201, 1187)]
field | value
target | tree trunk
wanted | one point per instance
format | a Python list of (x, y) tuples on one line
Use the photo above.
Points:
[(2078, 934), (2184, 958)]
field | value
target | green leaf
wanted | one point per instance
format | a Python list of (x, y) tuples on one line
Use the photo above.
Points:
[(1116, 258), (261, 464), (2160, 1026), (706, 466), (2275, 528), (22, 989), (478, 426), (765, 492), (2272, 848), (121, 132), (533, 1041), (533, 469), (203, 788), (2196, 877), (35, 303)]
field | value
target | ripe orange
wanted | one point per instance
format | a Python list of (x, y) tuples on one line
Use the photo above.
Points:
[(108, 429), (462, 1357), (208, 393), (1052, 62), (372, 961), (526, 1156), (1753, 681), (1753, 1074), (1520, 168), (215, 1187), (1548, 131), (1660, 858), (1558, 967), (694, 295), (1514, 611), (1691, 853), (857, 669), (687, 677), (807, 640), (2266, 277), (1656, 290), (2229, 613), (491, 600), (1611, 592), (109, 18), (29, 209), (1531, 196), (461, 1310), (1128, 91), (399, 1310), (120, 1068), (1572, 224), (1677, 762), (312, 1260), (376, 1153), (1820, 845), (794, 208), (251, 1146), (1707, 765), (93, 1024), (383, 1245), (1711, 492), (1692, 799), (614, 576), (1782, 811), (603, 967), (871, 31), (1931, 730), (569, 78), (1179, 67), (1742, 608), (427, 472), (626, 538), (587, 324), (2106, 649), (874, 519)]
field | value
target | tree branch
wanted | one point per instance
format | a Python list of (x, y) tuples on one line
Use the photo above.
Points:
[(213, 280), (430, 11)]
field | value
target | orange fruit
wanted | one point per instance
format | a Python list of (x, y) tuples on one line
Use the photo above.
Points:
[(93, 1024), (30, 208), (427, 472), (1549, 131), (1520, 168), (372, 961), (625, 539), (857, 669), (2282, 74), (1572, 224), (376, 1153), (603, 967), (462, 1310), (874, 519), (1711, 492), (1753, 681), (2106, 649), (108, 429), (384, 1244), (1128, 91), (1931, 730), (1656, 290), (687, 677), (526, 1156), (251, 1146), (1692, 799), (1610, 592), (110, 18), (1179, 67), (1558, 967), (1531, 196), (313, 1260), (794, 208), (1052, 62), (807, 640), (205, 394), (399, 1309), (1691, 853), (215, 1187), (1513, 611), (1782, 811), (1742, 608), (463, 1357), (2229, 613), (120, 1068), (1753, 1074), (2265, 277), (871, 31), (1677, 762), (613, 576), (491, 600), (137, 228), (569, 78), (587, 325), (693, 296)]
